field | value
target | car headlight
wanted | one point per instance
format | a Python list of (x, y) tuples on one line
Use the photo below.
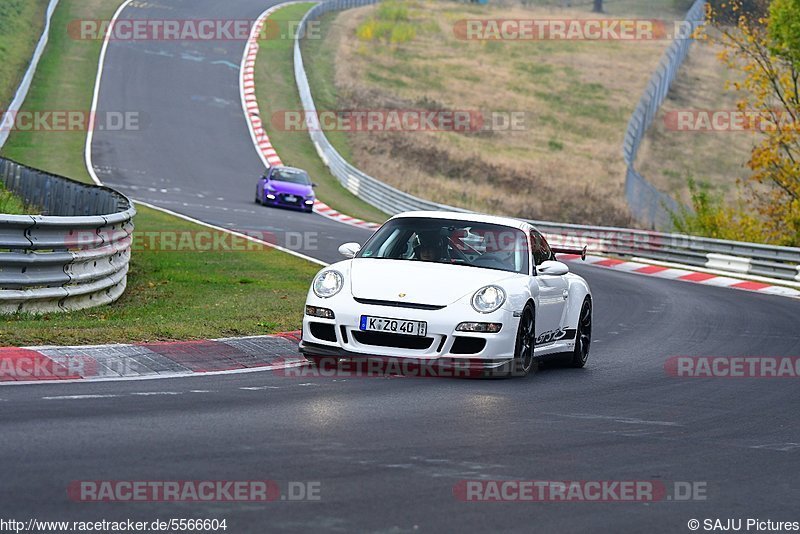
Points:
[(328, 283), (488, 299)]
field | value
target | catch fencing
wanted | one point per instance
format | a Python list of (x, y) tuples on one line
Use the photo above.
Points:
[(647, 204)]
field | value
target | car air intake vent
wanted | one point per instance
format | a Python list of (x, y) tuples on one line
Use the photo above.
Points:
[(323, 331), (397, 341), (468, 345), (399, 304)]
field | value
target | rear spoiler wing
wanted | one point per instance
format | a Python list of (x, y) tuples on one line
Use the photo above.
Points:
[(575, 251)]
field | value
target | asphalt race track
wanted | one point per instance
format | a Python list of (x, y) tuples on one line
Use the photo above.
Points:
[(192, 152), (388, 451)]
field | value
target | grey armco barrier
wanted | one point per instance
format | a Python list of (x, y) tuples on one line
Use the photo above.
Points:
[(373, 191), (647, 202), (74, 255)]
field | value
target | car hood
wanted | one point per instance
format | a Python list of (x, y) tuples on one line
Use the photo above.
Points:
[(290, 188), (421, 282)]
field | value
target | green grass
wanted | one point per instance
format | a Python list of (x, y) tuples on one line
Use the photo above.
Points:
[(277, 92), (64, 82), (10, 204), (21, 23), (171, 295), (181, 295)]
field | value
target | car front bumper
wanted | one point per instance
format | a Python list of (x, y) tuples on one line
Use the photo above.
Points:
[(341, 337), (279, 201)]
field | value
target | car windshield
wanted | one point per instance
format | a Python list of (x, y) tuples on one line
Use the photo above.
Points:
[(291, 175), (489, 246)]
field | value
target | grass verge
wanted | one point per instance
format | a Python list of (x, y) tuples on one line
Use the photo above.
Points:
[(669, 157), (172, 294), (10, 204), (21, 23), (277, 92), (562, 163), (181, 294)]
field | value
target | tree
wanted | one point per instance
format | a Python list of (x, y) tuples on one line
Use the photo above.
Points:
[(765, 52), (784, 29)]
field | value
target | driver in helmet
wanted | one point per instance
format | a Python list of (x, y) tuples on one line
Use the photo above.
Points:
[(429, 248)]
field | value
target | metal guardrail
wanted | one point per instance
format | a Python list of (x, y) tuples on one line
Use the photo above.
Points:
[(647, 204), (738, 258), (373, 191), (734, 257), (73, 255)]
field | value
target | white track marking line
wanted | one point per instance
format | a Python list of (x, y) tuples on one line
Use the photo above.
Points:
[(616, 419), (233, 232), (187, 374), (97, 181), (87, 153), (23, 89), (80, 397), (782, 447)]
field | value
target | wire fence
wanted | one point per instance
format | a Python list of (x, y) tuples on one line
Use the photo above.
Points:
[(648, 205)]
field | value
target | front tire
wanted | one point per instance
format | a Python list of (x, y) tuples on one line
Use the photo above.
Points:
[(523, 362), (583, 337)]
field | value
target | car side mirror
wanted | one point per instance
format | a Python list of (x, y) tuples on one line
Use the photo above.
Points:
[(313, 184), (349, 250), (553, 268)]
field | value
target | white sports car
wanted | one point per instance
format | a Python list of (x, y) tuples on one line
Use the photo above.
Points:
[(450, 288)]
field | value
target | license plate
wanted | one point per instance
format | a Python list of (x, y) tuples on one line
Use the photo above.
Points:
[(290, 198), (395, 326)]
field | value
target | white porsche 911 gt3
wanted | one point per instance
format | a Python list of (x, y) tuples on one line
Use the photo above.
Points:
[(450, 288)]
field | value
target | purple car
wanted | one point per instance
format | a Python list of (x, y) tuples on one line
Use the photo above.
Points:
[(287, 187)]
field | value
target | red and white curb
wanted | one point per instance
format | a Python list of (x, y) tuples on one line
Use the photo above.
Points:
[(147, 361), (255, 123), (684, 275), (327, 211)]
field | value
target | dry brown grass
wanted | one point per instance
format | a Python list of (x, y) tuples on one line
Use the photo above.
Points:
[(668, 157), (578, 96)]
